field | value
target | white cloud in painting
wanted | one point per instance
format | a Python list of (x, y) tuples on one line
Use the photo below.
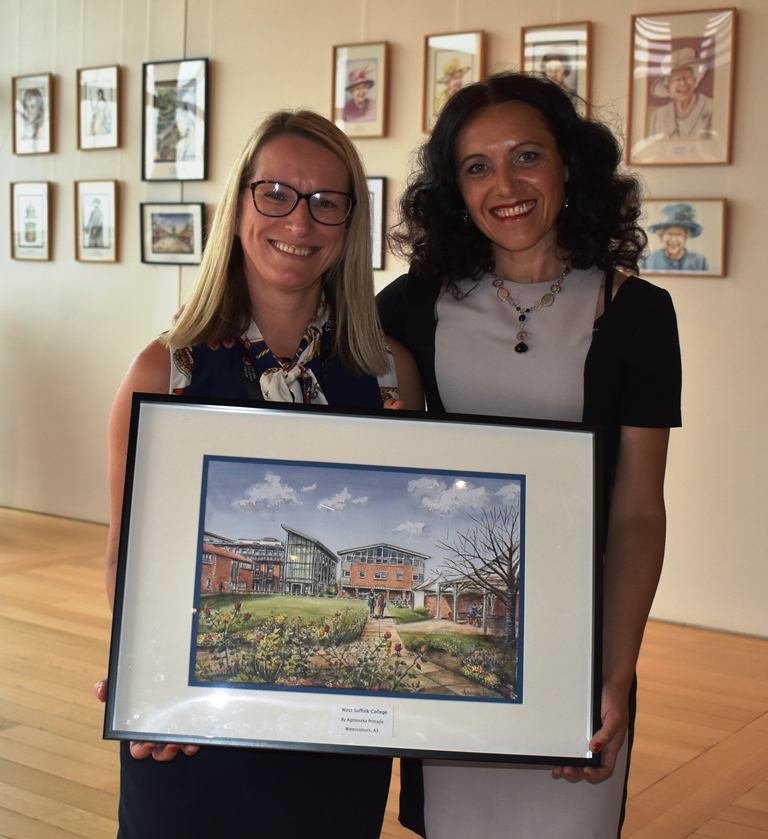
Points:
[(411, 528), (271, 492), (310, 488), (438, 497), (341, 501), (510, 493)]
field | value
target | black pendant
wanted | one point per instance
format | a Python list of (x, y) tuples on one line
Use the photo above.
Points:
[(521, 347)]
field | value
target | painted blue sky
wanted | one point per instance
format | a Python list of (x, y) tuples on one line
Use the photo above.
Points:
[(345, 507)]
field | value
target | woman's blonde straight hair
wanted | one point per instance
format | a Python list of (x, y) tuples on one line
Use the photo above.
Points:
[(219, 306)]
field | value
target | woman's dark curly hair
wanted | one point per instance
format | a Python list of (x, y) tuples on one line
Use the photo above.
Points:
[(598, 227)]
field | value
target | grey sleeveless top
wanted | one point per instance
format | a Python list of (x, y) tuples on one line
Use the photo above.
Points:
[(547, 382)]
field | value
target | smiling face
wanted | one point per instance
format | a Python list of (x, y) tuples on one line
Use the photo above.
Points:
[(289, 255), (359, 93), (511, 176), (682, 85), (673, 240)]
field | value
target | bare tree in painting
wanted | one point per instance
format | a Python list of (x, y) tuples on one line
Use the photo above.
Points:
[(488, 555)]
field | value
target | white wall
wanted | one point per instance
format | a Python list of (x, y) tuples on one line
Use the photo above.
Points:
[(68, 330)]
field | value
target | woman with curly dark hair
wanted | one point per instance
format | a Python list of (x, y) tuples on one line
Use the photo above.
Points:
[(522, 238)]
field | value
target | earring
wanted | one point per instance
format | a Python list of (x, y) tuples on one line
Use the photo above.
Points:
[(464, 215), (566, 204)]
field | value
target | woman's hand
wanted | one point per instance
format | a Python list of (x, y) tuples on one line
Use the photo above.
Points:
[(607, 741), (394, 404), (161, 752)]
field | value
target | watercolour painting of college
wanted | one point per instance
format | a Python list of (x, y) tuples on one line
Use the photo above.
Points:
[(358, 571)]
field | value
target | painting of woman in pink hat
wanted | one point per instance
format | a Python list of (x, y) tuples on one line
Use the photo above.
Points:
[(359, 107)]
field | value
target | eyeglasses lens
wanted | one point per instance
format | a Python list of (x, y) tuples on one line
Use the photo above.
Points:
[(276, 200)]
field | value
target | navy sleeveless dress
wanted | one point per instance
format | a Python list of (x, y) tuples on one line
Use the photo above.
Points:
[(254, 793)]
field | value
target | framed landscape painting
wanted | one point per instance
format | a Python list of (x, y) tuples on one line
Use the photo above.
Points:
[(172, 234), (425, 587)]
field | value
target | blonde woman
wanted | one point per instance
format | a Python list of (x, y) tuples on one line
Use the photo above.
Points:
[(283, 310)]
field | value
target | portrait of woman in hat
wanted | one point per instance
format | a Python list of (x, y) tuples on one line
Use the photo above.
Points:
[(360, 107), (678, 224), (689, 111)]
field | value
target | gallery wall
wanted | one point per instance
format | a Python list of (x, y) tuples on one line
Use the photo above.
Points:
[(68, 330)]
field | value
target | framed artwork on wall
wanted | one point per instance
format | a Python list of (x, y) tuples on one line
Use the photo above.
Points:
[(33, 114), (451, 61), (560, 52), (681, 88), (96, 221), (377, 192), (31, 220), (310, 665), (175, 120), (172, 234), (361, 88), (98, 91), (686, 236)]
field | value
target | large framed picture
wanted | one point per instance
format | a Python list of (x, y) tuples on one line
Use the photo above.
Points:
[(451, 61), (681, 88), (560, 52), (33, 114), (361, 88), (174, 120), (98, 91), (31, 220), (388, 582), (377, 192), (172, 234), (96, 221), (685, 235)]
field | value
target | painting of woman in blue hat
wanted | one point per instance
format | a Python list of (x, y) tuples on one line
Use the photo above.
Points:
[(677, 226)]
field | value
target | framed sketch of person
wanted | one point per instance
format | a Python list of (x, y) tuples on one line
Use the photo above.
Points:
[(361, 88), (451, 61), (172, 234), (681, 88), (33, 114), (96, 221), (560, 52), (31, 220), (387, 583), (377, 192), (686, 236), (174, 120), (98, 91)]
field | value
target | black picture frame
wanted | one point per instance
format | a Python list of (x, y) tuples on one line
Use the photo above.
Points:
[(174, 120), (197, 470)]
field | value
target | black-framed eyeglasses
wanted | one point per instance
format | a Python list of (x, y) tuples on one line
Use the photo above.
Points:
[(275, 199)]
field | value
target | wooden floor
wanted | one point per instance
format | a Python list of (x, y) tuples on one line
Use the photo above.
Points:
[(700, 766)]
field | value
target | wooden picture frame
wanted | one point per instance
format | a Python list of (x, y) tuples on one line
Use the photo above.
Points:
[(172, 234), (671, 224), (377, 192), (361, 88), (98, 93), (33, 100), (219, 613), (96, 221), (451, 61), (31, 220), (681, 88), (175, 120), (560, 52)]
